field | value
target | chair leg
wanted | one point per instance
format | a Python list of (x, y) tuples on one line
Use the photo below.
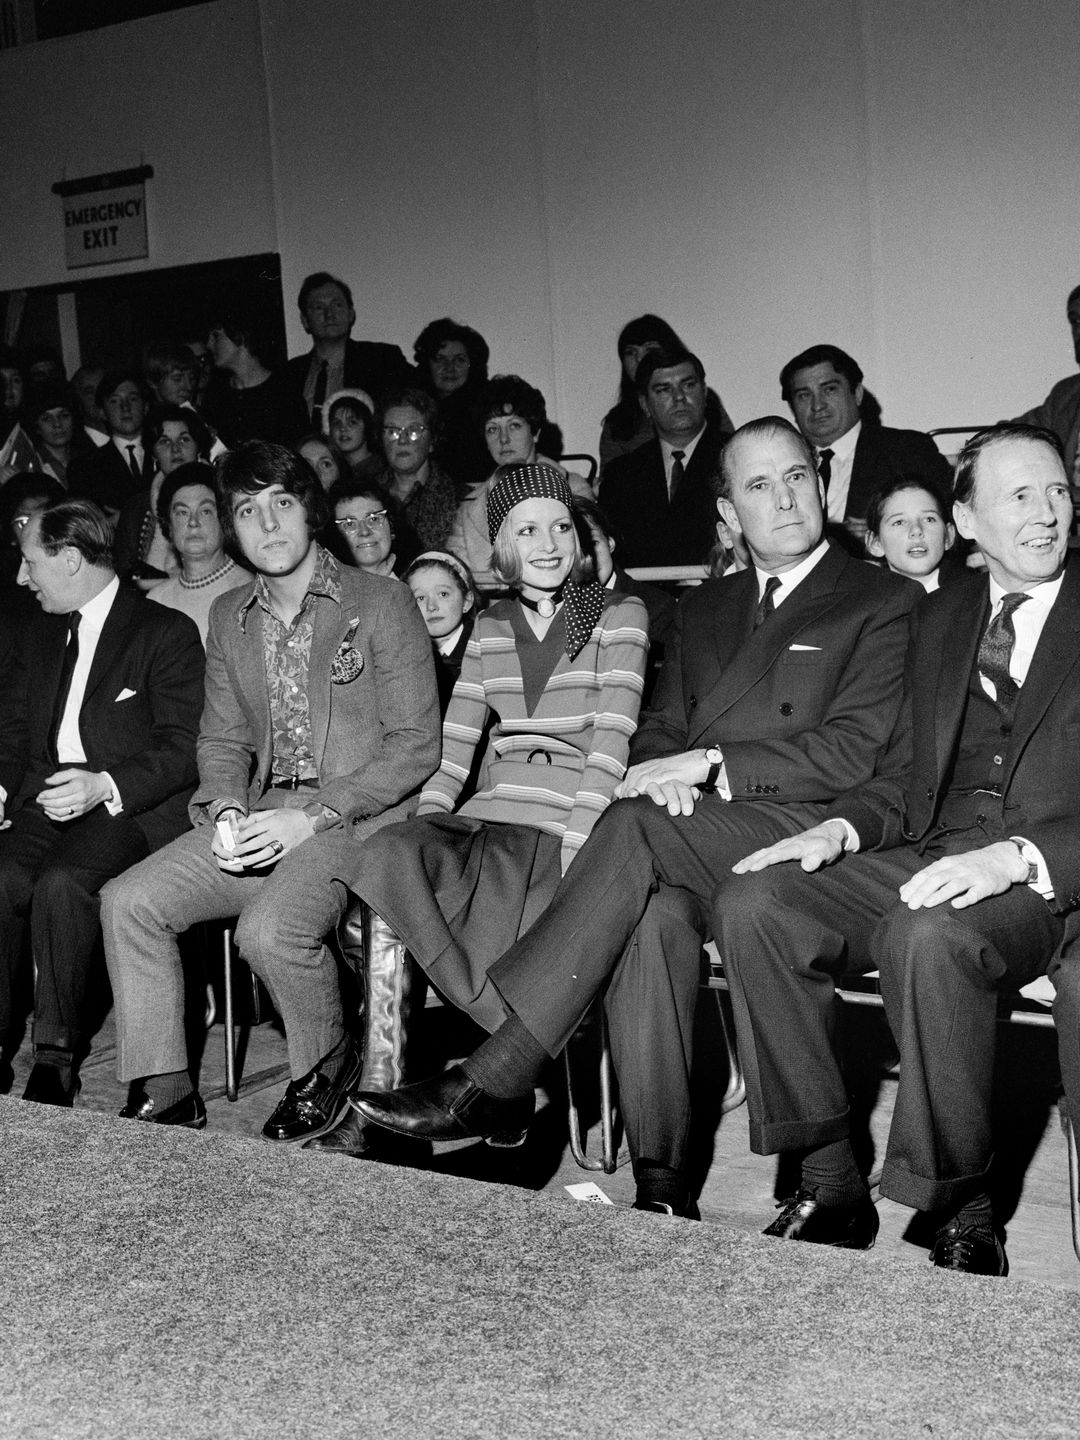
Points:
[(231, 1088), (1074, 1176), (735, 1094), (610, 1155)]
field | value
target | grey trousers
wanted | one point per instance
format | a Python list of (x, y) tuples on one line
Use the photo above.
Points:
[(283, 916)]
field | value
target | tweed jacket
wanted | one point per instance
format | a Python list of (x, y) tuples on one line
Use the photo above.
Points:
[(371, 692)]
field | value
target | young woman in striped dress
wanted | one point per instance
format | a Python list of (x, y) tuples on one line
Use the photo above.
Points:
[(553, 676)]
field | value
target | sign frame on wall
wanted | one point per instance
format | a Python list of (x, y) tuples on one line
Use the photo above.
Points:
[(105, 217)]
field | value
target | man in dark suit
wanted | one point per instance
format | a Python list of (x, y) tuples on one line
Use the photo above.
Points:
[(824, 388), (955, 871), (660, 496), (780, 687), (320, 724), (1060, 411), (112, 473), (97, 761), (335, 362)]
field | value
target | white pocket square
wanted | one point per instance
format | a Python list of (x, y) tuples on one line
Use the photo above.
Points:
[(125, 694), (804, 647)]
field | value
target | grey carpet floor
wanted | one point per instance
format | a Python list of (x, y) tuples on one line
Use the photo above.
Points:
[(160, 1284)]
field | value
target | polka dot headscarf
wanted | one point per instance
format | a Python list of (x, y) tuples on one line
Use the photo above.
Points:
[(583, 604)]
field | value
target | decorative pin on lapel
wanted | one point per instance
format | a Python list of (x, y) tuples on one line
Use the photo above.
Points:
[(348, 662)]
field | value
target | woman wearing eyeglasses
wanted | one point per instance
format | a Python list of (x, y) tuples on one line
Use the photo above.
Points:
[(369, 530), (408, 430)]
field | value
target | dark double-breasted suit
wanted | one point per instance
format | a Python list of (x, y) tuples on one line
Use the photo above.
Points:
[(786, 933), (138, 721), (799, 707), (656, 530)]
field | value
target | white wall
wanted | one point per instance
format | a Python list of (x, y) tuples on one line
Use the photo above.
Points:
[(895, 177)]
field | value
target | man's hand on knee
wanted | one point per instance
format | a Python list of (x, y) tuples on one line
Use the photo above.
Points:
[(672, 781), (821, 845), (71, 793), (966, 879)]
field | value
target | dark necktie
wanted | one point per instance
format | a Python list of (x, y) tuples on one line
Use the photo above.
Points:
[(67, 669), (824, 467), (765, 605), (678, 470), (133, 464), (996, 648), (319, 394)]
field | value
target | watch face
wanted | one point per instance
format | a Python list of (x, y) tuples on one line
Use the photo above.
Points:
[(713, 755)]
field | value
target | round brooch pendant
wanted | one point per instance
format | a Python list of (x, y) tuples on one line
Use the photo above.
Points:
[(545, 608)]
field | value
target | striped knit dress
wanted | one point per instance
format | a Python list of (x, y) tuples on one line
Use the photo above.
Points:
[(460, 887)]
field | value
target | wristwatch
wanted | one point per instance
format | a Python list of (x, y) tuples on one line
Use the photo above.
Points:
[(714, 757), (1033, 869)]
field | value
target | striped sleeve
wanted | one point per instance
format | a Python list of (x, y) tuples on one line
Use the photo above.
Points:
[(463, 726), (622, 652)]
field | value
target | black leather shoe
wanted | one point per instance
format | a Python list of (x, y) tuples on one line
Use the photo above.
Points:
[(689, 1211), (313, 1103), (449, 1107), (7, 1076), (847, 1227), (975, 1252), (189, 1112), (355, 1137), (47, 1086)]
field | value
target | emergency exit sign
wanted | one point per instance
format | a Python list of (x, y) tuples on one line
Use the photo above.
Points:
[(105, 217)]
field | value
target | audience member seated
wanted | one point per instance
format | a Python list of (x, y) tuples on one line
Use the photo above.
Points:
[(628, 425), (169, 371), (660, 496), (109, 691), (446, 596), (728, 554), (1060, 411), (24, 496), (452, 365), (51, 419), (350, 424), (824, 389), (409, 426), (335, 362), (325, 459), (910, 529), (254, 405), (188, 519), (559, 668), (175, 436), (511, 414), (112, 474), (321, 721), (598, 546), (373, 533), (85, 384), (42, 365), (745, 742), (953, 871), (17, 451)]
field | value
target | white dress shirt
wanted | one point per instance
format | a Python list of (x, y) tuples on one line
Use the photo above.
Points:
[(686, 448), (843, 457), (69, 746)]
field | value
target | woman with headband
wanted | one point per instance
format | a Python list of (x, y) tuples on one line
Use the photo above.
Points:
[(556, 672)]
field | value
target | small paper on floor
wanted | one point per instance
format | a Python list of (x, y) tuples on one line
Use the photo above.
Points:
[(588, 1190)]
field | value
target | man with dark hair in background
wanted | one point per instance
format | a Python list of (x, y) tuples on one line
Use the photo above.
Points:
[(112, 473), (335, 362), (823, 386), (660, 496), (1060, 411), (321, 721), (255, 403), (97, 759)]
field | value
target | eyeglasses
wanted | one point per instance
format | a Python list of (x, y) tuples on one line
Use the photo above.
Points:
[(394, 433), (352, 525)]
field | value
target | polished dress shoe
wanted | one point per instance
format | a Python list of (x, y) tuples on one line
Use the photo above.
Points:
[(47, 1085), (689, 1211), (973, 1251), (314, 1103), (449, 1107), (355, 1137), (7, 1076), (190, 1112), (846, 1227)]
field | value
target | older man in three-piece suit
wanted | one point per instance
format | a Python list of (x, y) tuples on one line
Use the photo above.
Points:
[(321, 721), (778, 691), (102, 694), (955, 871)]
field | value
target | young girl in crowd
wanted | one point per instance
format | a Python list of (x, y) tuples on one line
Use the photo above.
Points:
[(443, 589), (908, 527), (350, 424)]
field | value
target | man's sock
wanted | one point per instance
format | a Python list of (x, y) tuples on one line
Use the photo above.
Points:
[(169, 1089), (831, 1173), (658, 1183), (977, 1214), (332, 1064), (508, 1063)]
